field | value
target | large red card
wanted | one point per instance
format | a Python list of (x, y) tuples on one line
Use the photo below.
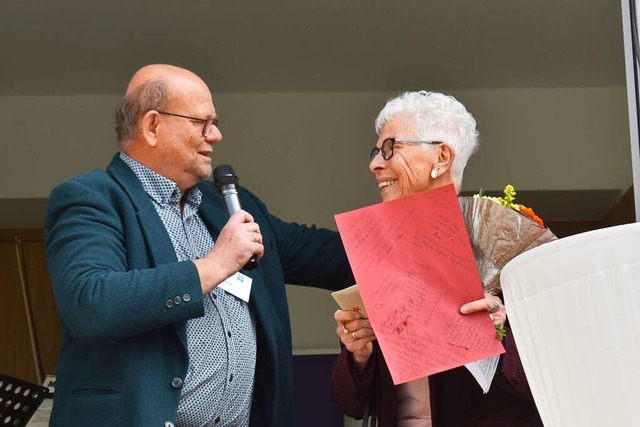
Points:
[(414, 266)]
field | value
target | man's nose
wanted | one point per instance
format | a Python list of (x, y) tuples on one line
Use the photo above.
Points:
[(214, 136)]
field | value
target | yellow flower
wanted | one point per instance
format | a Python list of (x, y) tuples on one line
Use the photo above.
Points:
[(509, 196)]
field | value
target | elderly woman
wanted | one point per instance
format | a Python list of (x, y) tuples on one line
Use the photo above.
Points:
[(424, 141)]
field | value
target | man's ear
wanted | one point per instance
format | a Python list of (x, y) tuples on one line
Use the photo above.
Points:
[(446, 154), (149, 127)]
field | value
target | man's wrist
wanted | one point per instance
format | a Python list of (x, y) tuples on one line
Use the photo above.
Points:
[(210, 277)]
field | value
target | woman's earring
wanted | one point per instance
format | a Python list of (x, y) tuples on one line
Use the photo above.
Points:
[(435, 172)]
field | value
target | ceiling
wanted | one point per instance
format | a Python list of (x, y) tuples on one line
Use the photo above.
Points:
[(92, 47)]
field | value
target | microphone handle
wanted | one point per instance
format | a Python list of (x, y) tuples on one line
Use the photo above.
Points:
[(232, 203)]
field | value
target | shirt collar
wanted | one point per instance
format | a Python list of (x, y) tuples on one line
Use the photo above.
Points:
[(161, 189)]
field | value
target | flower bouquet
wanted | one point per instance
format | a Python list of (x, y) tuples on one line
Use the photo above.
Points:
[(499, 230)]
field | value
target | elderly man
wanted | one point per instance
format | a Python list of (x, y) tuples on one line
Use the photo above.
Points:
[(136, 254)]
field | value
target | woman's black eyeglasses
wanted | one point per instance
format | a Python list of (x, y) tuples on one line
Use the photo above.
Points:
[(389, 144)]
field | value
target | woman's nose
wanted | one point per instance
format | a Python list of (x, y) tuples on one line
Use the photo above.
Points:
[(377, 162)]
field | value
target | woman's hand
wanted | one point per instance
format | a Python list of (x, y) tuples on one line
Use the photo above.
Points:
[(356, 334), (489, 303)]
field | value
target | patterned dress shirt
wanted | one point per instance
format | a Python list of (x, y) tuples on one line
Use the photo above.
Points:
[(218, 387)]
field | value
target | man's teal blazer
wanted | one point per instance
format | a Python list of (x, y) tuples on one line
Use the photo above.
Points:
[(114, 273)]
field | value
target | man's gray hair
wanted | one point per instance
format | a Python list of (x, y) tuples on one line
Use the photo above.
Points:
[(148, 96)]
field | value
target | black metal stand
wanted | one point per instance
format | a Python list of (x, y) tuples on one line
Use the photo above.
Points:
[(18, 401)]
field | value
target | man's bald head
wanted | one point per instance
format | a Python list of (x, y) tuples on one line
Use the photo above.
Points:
[(160, 72), (151, 87)]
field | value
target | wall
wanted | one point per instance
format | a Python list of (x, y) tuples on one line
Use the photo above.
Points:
[(573, 133)]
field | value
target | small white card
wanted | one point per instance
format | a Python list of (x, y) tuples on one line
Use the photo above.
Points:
[(238, 285), (350, 299)]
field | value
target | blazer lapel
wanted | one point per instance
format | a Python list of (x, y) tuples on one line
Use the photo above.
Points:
[(158, 241)]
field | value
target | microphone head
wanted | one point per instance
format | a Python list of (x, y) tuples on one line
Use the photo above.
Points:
[(224, 175)]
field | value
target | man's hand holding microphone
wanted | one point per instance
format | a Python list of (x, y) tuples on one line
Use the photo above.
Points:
[(239, 244)]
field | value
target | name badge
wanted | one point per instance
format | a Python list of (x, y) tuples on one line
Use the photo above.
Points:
[(238, 285)]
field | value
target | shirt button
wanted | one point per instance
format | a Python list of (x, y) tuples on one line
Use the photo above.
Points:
[(169, 303), (176, 382), (229, 334), (177, 300), (186, 297), (230, 377), (168, 424), (215, 296), (217, 420)]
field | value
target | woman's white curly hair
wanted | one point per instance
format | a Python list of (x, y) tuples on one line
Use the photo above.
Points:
[(436, 117)]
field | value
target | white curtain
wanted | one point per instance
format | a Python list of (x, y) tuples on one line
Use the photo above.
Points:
[(574, 309)]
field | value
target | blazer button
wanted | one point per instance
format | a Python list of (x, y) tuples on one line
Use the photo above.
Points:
[(169, 303), (177, 300), (176, 382), (186, 297), (168, 424)]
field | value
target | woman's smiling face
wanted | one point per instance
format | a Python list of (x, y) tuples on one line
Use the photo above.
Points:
[(408, 171)]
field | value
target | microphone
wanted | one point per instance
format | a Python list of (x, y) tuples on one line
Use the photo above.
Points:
[(227, 184)]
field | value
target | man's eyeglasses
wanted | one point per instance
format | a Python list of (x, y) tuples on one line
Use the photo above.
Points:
[(388, 145), (206, 128)]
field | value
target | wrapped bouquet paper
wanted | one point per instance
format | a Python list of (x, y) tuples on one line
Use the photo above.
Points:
[(499, 230)]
